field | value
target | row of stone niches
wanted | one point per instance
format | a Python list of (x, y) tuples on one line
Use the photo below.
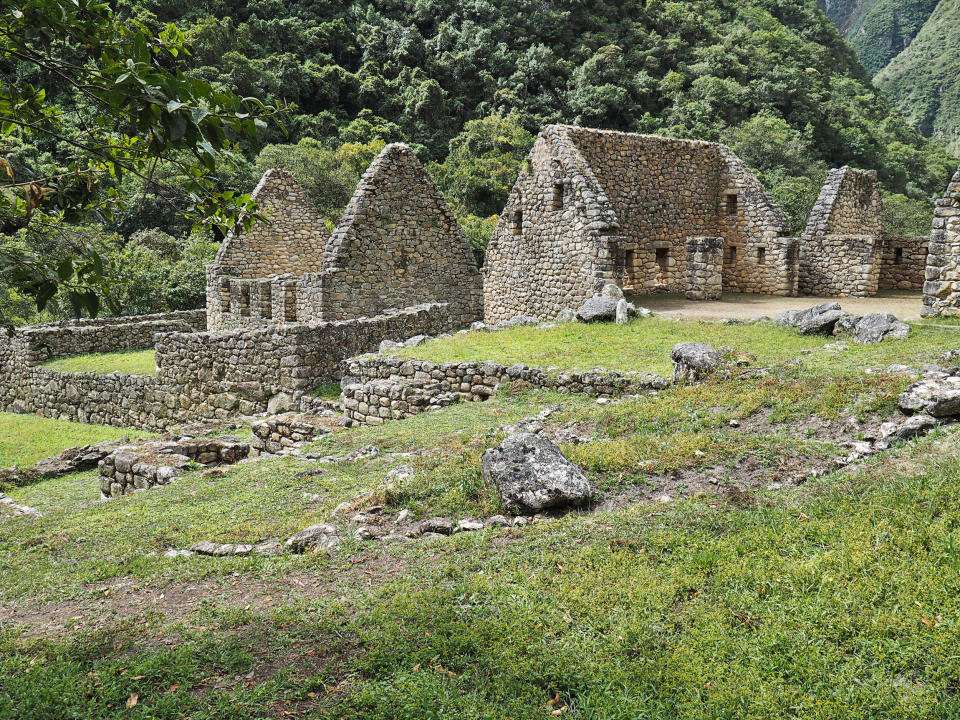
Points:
[(255, 298)]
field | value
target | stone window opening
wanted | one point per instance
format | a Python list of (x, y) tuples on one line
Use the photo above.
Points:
[(761, 256), (558, 192), (266, 301), (290, 304), (245, 300), (898, 256), (663, 259), (518, 222), (730, 202), (733, 254)]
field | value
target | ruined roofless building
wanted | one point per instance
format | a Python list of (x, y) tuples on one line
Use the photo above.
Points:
[(398, 244), (845, 249), (941, 291), (651, 214)]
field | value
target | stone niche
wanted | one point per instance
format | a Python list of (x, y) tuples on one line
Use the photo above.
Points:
[(593, 207)]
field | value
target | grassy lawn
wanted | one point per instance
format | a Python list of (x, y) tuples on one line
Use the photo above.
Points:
[(645, 344), (133, 362), (24, 439), (834, 597)]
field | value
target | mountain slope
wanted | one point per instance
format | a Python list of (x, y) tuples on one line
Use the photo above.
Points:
[(879, 29), (924, 80)]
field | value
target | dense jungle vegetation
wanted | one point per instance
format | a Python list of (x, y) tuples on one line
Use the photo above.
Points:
[(469, 84)]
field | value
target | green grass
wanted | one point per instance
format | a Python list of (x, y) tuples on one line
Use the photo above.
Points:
[(134, 362), (25, 439), (327, 391), (645, 344), (833, 599)]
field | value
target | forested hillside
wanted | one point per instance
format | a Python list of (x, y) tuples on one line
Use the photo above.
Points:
[(469, 83), (879, 29), (924, 80)]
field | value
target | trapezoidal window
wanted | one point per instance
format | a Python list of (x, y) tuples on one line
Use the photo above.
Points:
[(558, 196), (245, 300), (732, 255), (898, 256), (518, 222), (730, 203), (761, 255), (663, 259)]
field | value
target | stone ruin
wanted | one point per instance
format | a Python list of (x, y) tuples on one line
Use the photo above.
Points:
[(661, 215), (941, 291), (651, 214), (398, 244), (845, 249)]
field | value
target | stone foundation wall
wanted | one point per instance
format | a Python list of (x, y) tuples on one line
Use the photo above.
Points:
[(941, 291), (903, 262), (840, 265), (283, 431), (54, 340), (205, 375), (383, 388)]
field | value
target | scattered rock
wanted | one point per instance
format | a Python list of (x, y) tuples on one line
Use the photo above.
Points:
[(597, 309), (404, 515), (611, 291), (312, 536), (566, 315), (623, 312), (821, 323), (912, 427), (876, 327), (693, 360), (497, 521), (936, 396), (19, 509), (531, 474), (415, 340), (518, 320), (389, 346), (436, 525), (364, 533), (468, 525), (280, 403)]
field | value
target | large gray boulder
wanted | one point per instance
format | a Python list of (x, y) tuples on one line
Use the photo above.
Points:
[(693, 360), (598, 309), (531, 475), (936, 396), (876, 327), (566, 315), (788, 318), (820, 323), (320, 535), (612, 291)]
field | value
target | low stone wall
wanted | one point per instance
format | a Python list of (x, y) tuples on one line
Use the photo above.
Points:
[(704, 268), (280, 432), (840, 265), (378, 388), (205, 375), (54, 340), (903, 261), (156, 463)]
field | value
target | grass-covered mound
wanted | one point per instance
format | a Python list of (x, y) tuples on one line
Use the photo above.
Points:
[(25, 439)]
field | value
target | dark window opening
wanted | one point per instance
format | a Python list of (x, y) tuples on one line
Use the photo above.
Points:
[(266, 301), (558, 196), (517, 222), (731, 203), (245, 300), (898, 256), (663, 259), (290, 304), (761, 255), (733, 254)]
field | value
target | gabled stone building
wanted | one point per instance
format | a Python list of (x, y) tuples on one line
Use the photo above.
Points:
[(846, 250), (651, 214), (941, 291), (398, 244)]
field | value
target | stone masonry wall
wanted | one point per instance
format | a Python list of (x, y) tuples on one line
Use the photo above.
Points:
[(704, 268), (941, 291), (54, 340), (845, 265), (397, 244), (593, 207), (380, 388), (842, 246), (291, 240), (204, 375), (903, 262)]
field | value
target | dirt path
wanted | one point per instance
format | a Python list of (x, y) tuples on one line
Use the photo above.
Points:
[(905, 305)]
